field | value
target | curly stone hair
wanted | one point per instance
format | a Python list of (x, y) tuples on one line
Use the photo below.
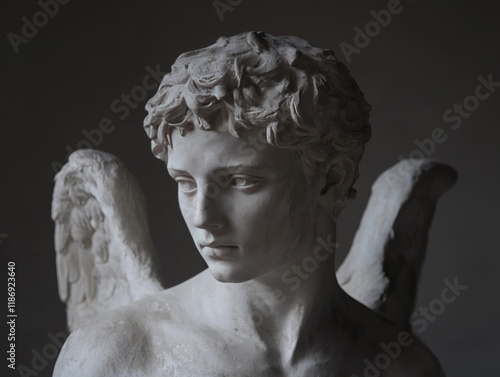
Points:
[(302, 95)]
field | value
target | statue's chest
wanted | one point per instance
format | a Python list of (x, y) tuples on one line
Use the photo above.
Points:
[(223, 368), (200, 352), (225, 361)]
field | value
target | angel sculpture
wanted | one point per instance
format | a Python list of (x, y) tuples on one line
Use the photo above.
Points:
[(263, 135)]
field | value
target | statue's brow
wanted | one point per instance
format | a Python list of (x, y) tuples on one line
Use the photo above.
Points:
[(238, 167), (226, 168)]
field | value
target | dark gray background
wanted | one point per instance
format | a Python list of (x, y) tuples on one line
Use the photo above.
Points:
[(428, 58)]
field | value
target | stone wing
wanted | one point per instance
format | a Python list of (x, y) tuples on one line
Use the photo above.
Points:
[(383, 266), (104, 253)]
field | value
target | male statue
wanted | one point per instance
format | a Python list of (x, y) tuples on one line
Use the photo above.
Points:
[(263, 136)]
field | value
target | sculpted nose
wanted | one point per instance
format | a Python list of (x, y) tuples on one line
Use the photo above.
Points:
[(207, 211)]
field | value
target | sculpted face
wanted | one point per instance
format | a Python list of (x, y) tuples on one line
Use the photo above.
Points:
[(240, 208)]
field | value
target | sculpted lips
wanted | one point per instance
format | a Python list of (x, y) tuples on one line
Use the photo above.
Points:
[(216, 249)]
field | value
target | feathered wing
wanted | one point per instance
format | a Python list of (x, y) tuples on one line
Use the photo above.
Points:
[(104, 253), (383, 266)]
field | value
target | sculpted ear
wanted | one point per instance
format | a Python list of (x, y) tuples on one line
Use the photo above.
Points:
[(334, 185)]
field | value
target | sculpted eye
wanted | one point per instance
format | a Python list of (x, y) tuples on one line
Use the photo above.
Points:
[(186, 185), (244, 181)]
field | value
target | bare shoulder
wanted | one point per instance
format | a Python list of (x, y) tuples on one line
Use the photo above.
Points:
[(122, 341), (415, 360), (388, 350), (97, 348)]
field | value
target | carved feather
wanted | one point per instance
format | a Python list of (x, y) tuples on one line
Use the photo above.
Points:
[(104, 255)]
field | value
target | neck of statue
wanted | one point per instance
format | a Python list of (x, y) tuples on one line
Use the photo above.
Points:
[(299, 301)]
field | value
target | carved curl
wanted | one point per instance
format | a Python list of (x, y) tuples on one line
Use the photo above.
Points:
[(303, 96)]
